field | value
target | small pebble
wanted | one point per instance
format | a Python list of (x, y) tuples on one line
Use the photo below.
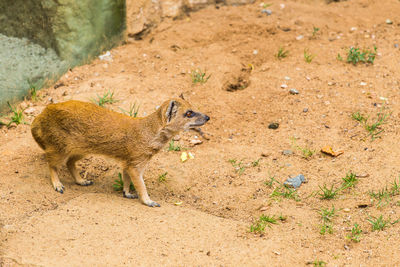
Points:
[(282, 6), (287, 152), (352, 29), (298, 38), (363, 83), (388, 21), (346, 210), (284, 86), (305, 110), (287, 78), (195, 142), (255, 52), (273, 125), (293, 91), (266, 11), (30, 110), (396, 45)]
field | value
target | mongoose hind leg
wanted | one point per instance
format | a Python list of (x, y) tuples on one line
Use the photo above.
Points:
[(136, 175), (74, 172), (127, 184)]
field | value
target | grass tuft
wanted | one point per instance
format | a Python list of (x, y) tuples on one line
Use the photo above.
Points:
[(198, 76), (119, 184), (262, 222), (133, 110), (282, 53), (107, 98)]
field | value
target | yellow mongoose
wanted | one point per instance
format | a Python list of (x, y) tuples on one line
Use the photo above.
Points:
[(71, 130)]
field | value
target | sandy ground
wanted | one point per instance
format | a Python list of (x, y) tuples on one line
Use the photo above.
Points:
[(96, 226)]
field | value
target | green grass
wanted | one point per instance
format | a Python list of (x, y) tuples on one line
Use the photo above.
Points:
[(133, 110), (17, 116), (119, 184), (270, 182), (328, 193), (33, 93), (350, 180), (173, 147), (384, 195), (162, 177), (319, 263), (308, 57), (285, 192), (356, 55), (339, 57), (198, 76), (261, 223), (378, 224), (239, 166), (314, 32), (106, 98), (327, 216), (256, 163), (282, 53), (355, 235), (305, 151), (374, 129), (357, 116)]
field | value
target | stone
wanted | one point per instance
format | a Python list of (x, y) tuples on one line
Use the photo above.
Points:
[(287, 152), (195, 142), (273, 125), (29, 111), (293, 91), (296, 181), (388, 21)]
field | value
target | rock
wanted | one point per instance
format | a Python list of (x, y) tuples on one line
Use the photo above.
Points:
[(295, 182), (396, 45), (195, 142), (363, 83), (255, 52), (346, 210), (284, 86), (287, 152), (298, 38), (293, 91), (29, 111), (273, 125), (266, 11), (388, 21), (305, 110), (287, 78)]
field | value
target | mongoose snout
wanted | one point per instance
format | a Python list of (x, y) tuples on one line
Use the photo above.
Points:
[(69, 131)]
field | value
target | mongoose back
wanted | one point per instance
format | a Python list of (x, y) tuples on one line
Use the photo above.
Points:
[(69, 131)]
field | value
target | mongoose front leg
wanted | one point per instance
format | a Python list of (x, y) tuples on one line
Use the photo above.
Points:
[(58, 186), (136, 175), (127, 184)]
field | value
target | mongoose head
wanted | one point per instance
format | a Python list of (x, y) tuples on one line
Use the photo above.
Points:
[(179, 115)]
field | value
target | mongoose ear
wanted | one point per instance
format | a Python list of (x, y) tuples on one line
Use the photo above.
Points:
[(171, 110)]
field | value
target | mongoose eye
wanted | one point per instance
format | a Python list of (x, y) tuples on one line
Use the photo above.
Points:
[(189, 114)]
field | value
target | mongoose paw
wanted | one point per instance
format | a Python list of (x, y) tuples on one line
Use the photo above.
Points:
[(59, 188), (130, 196), (85, 182), (152, 204)]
